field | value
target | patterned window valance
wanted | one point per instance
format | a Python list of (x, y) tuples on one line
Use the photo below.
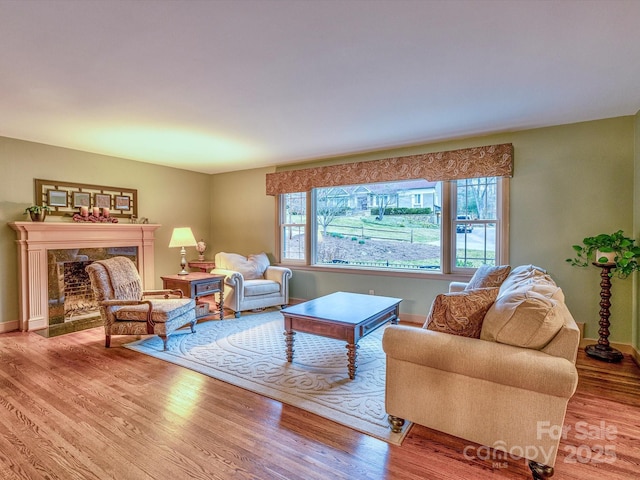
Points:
[(487, 161)]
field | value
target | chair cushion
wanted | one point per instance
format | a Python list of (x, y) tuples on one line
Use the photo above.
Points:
[(525, 317), (163, 310), (253, 288), (461, 313), (251, 268), (487, 276)]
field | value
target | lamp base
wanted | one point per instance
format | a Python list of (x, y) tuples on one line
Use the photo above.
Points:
[(183, 262)]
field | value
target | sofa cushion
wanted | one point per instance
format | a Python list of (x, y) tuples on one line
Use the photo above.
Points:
[(460, 313), (523, 275), (523, 317), (487, 276), (251, 268)]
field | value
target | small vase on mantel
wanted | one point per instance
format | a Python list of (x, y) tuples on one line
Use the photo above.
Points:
[(38, 217), (37, 213)]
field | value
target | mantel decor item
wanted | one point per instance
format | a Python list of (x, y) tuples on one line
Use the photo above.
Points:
[(615, 254), (64, 198), (182, 237), (95, 217), (37, 212)]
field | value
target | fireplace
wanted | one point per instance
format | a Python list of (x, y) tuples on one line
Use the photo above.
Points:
[(51, 260), (70, 295)]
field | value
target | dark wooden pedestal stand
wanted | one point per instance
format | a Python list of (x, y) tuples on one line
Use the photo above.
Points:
[(603, 351)]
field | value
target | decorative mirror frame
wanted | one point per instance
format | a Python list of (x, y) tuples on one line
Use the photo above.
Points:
[(123, 202)]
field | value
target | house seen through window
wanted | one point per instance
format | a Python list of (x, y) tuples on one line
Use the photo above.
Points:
[(412, 225)]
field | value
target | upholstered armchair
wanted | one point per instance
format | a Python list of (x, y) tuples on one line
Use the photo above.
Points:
[(128, 310), (252, 282)]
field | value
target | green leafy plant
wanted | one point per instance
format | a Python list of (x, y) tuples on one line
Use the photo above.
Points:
[(627, 253), (37, 209)]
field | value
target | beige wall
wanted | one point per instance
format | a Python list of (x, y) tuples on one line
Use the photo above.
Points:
[(636, 232), (570, 182), (167, 196), (242, 215)]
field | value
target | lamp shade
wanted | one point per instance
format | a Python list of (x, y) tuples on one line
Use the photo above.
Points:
[(182, 237)]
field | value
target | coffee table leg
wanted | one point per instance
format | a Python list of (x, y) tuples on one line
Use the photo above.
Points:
[(352, 353), (288, 340)]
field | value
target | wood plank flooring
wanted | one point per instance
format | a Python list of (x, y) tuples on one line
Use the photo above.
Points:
[(71, 409)]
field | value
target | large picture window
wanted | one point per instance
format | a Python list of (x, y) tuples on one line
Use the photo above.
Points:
[(413, 225)]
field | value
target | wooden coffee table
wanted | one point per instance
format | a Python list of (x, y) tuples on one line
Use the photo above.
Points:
[(341, 315)]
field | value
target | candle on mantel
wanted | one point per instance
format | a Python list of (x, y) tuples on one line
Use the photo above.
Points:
[(105, 212), (84, 211), (96, 211)]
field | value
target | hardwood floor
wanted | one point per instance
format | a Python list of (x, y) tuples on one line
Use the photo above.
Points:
[(71, 409)]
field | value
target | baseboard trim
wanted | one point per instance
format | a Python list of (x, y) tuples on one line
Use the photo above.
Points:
[(9, 326)]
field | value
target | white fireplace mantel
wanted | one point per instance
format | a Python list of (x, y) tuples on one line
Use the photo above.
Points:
[(35, 238)]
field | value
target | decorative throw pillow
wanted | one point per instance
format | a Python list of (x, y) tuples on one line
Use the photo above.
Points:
[(461, 313), (261, 261), (251, 268), (523, 317), (488, 276)]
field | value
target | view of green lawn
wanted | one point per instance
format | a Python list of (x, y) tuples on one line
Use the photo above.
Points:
[(399, 241), (396, 241)]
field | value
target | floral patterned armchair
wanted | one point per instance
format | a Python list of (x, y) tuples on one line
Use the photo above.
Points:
[(128, 310)]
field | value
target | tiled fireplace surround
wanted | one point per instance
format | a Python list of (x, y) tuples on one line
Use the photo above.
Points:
[(36, 239)]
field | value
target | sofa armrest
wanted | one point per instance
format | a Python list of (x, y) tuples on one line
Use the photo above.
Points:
[(277, 274), (494, 362), (232, 278), (457, 286)]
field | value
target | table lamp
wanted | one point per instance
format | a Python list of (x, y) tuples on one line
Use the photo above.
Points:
[(182, 237)]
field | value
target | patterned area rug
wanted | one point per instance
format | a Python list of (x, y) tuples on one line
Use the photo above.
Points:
[(249, 352)]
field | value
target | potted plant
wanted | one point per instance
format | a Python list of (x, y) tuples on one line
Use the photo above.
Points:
[(608, 249), (37, 212), (617, 255)]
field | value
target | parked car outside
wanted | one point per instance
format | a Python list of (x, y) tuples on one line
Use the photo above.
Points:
[(464, 227)]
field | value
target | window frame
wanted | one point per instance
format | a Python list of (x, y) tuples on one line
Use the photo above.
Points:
[(447, 238), (282, 224)]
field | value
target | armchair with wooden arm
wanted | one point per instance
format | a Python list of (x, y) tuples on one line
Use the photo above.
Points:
[(126, 309)]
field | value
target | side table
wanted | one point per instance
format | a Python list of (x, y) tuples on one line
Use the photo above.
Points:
[(197, 285), (202, 265)]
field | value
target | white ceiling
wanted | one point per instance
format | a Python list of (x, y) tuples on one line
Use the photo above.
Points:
[(215, 86)]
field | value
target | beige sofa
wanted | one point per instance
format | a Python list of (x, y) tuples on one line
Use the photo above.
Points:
[(508, 389), (252, 282)]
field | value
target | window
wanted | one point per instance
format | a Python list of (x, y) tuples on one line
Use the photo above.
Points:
[(412, 225), (293, 226), (477, 221)]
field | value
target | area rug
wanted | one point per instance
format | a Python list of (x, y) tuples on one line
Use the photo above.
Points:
[(249, 352)]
